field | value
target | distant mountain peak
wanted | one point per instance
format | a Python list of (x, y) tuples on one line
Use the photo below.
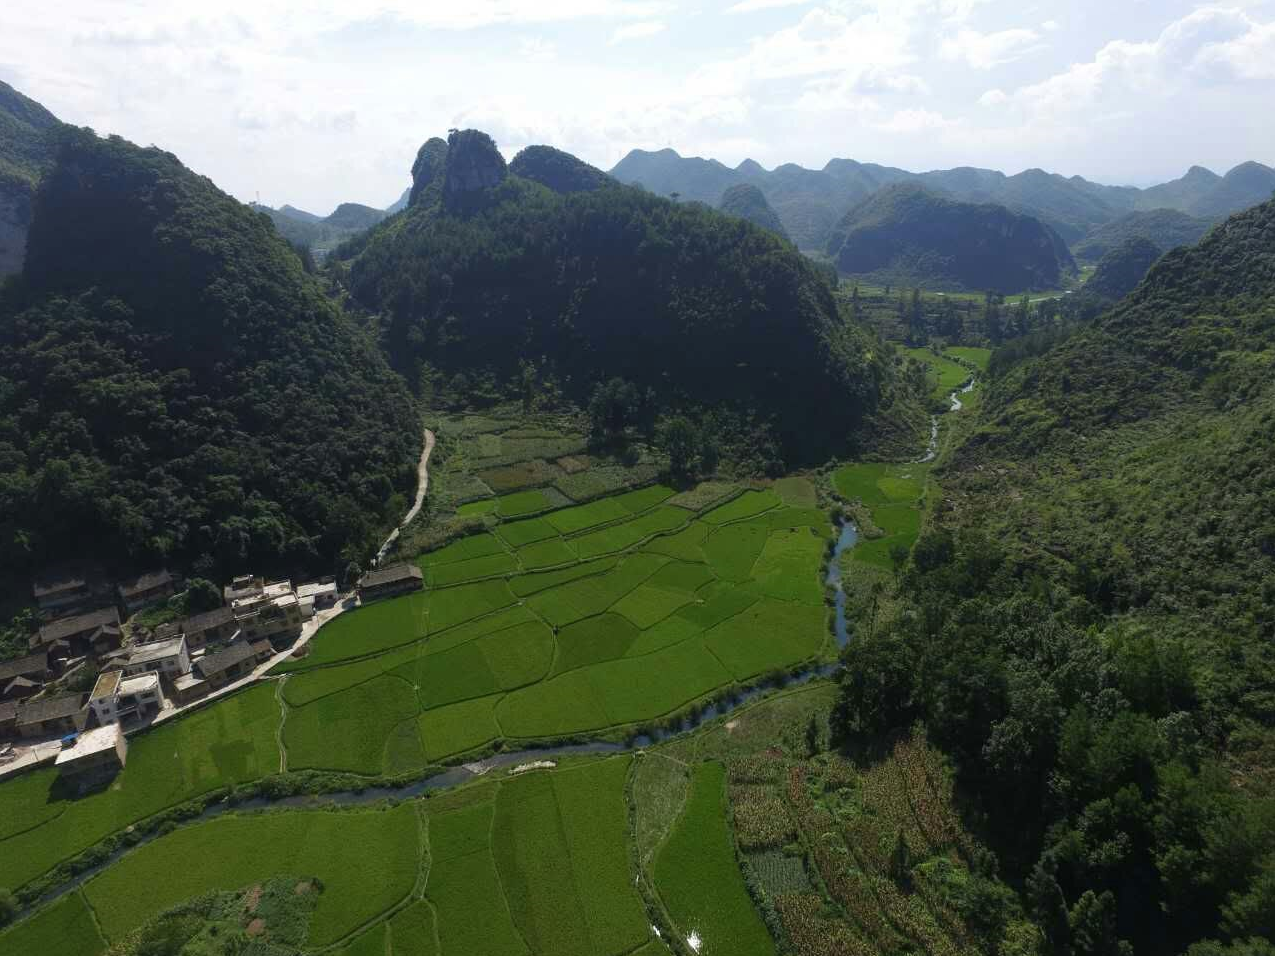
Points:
[(558, 170), (474, 165), (750, 166)]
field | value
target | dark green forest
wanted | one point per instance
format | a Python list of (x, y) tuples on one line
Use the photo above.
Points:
[(700, 308), (1167, 228), (1120, 270), (1091, 624), (748, 202), (907, 235), (174, 388)]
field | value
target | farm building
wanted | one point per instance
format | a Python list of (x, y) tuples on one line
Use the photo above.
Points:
[(270, 610), (34, 667), (221, 667), (8, 718), (211, 627), (51, 715), (396, 579), (146, 589), (96, 754), (170, 658), (116, 698), (98, 631), (63, 590), (20, 688)]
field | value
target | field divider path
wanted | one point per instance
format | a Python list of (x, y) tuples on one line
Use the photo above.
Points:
[(283, 719)]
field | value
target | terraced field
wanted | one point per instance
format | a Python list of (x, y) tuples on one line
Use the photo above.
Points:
[(893, 493), (583, 620), (532, 863)]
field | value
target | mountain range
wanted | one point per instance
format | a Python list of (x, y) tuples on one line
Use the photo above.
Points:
[(811, 202)]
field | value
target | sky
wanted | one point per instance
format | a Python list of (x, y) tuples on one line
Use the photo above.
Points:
[(327, 101)]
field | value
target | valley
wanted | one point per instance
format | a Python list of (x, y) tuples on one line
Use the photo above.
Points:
[(681, 560)]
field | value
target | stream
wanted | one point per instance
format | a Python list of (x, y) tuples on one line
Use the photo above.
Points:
[(847, 537)]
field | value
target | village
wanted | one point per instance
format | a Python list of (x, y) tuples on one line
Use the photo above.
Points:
[(132, 675)]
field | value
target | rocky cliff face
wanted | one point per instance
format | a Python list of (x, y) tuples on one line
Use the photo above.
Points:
[(15, 220), (474, 165), (427, 171)]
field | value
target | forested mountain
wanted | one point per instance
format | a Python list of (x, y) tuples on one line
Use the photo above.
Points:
[(320, 234), (560, 171), (810, 202), (1120, 270), (1094, 631), (489, 272), (25, 153), (907, 235), (1204, 193), (1167, 228), (173, 387), (748, 202)]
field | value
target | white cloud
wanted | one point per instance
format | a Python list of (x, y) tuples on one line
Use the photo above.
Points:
[(917, 121), (751, 6), (1212, 44), (537, 49), (983, 51), (1049, 26), (993, 98), (637, 31)]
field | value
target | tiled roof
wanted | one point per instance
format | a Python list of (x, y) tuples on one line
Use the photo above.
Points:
[(225, 658), (394, 574), (70, 626), (49, 708), (36, 663)]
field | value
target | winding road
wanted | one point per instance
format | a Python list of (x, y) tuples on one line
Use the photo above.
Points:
[(422, 485)]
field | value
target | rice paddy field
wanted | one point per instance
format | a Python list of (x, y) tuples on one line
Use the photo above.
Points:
[(528, 863), (944, 374), (979, 358), (587, 620), (895, 495)]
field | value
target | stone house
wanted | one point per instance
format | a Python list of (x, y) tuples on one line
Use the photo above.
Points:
[(146, 589), (51, 715), (169, 658), (386, 582)]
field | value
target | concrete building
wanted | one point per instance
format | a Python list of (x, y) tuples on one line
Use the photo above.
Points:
[(271, 611), (219, 668), (51, 715), (317, 595), (96, 754), (211, 627), (117, 698), (146, 589), (169, 658), (244, 586), (386, 582)]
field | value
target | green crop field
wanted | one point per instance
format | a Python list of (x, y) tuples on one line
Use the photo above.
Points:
[(64, 928), (979, 358), (231, 742), (366, 860), (893, 494), (944, 374), (604, 646), (698, 879)]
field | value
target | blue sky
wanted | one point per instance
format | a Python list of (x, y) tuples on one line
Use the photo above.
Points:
[(324, 101)]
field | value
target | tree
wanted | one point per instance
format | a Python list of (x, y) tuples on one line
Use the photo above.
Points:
[(8, 906), (613, 407), (901, 861), (681, 442), (201, 595)]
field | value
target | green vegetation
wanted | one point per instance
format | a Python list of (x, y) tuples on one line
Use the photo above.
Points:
[(893, 496), (698, 879), (64, 927), (943, 374), (977, 357), (139, 412), (1121, 269), (1099, 581), (229, 743), (748, 202), (598, 646), (559, 171), (906, 234), (728, 312), (1166, 228), (366, 861)]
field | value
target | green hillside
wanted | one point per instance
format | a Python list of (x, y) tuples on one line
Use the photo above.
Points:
[(163, 356), (749, 202), (907, 235), (559, 171), (704, 310), (26, 146), (1167, 228), (1100, 579), (1120, 270)]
